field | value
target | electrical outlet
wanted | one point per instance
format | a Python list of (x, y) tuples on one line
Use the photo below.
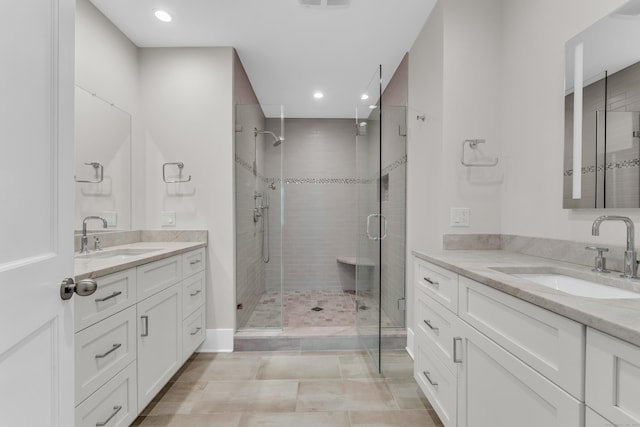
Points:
[(168, 218), (460, 217), (111, 218)]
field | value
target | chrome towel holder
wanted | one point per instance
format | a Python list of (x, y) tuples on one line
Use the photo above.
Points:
[(180, 166), (473, 144), (99, 171)]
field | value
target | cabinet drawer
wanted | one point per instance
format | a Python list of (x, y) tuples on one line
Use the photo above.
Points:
[(437, 383), (192, 293), (193, 262), (113, 405), (613, 378), (193, 333), (114, 293), (438, 283), (158, 275), (549, 343), (435, 325), (103, 350)]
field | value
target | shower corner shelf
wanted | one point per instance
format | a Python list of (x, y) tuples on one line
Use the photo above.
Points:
[(180, 166), (473, 144)]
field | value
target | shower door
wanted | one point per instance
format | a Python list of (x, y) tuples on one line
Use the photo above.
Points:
[(380, 268), (371, 225)]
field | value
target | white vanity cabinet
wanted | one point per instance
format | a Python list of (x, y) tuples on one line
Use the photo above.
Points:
[(482, 357), (130, 336)]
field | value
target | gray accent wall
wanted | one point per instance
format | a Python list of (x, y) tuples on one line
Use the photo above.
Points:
[(319, 203)]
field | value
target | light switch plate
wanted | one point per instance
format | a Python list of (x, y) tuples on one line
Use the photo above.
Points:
[(168, 218), (111, 217), (460, 217)]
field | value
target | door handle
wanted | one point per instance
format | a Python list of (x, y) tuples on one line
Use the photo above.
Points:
[(384, 219), (84, 287)]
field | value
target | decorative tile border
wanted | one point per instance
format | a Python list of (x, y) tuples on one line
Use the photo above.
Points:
[(249, 168), (632, 163)]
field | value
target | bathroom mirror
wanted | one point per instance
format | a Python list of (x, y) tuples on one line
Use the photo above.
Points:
[(102, 162), (602, 113)]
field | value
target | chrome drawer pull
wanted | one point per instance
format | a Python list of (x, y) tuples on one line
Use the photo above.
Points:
[(114, 348), (432, 282), (426, 374), (455, 349), (193, 294), (196, 331), (145, 319), (194, 262), (428, 323), (113, 295), (116, 409)]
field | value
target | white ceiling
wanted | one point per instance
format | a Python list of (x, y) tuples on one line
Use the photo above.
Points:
[(289, 51)]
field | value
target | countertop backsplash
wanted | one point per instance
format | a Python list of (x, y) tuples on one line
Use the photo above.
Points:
[(559, 250)]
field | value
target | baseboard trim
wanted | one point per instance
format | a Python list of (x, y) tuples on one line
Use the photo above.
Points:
[(410, 341), (217, 341)]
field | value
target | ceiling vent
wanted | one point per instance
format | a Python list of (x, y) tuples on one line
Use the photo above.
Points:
[(324, 3)]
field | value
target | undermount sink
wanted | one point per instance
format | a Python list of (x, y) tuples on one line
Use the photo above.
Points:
[(123, 253), (578, 287)]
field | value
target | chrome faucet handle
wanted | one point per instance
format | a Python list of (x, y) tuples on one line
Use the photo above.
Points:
[(96, 243), (600, 261)]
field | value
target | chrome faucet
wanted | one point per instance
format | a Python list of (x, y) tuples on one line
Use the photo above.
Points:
[(630, 262), (84, 240)]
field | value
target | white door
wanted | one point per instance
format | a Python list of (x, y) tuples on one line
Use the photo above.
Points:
[(36, 238)]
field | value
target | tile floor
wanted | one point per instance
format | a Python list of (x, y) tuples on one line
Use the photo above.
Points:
[(337, 310), (282, 389)]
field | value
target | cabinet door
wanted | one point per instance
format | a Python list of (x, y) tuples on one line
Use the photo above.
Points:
[(551, 344), (613, 378), (495, 389), (594, 419), (159, 341)]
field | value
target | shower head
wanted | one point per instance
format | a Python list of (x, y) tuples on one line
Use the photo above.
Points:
[(277, 140)]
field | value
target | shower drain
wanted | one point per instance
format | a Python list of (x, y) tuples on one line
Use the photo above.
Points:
[(317, 308)]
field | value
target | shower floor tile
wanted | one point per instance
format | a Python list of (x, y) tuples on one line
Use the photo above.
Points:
[(312, 309)]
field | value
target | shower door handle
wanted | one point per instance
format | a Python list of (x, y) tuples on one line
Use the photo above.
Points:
[(384, 219)]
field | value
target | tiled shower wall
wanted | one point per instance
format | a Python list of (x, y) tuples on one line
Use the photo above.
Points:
[(319, 203)]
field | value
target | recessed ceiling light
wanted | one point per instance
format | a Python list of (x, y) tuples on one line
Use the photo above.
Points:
[(373, 106), (318, 95), (364, 96), (163, 15)]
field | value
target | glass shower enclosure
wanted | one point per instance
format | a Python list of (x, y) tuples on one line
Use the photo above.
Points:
[(381, 159), (259, 132)]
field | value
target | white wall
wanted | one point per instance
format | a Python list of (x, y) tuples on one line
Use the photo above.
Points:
[(187, 100), (454, 76), (107, 65), (532, 116)]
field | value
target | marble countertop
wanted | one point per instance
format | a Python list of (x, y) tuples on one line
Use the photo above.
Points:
[(617, 317), (87, 267)]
